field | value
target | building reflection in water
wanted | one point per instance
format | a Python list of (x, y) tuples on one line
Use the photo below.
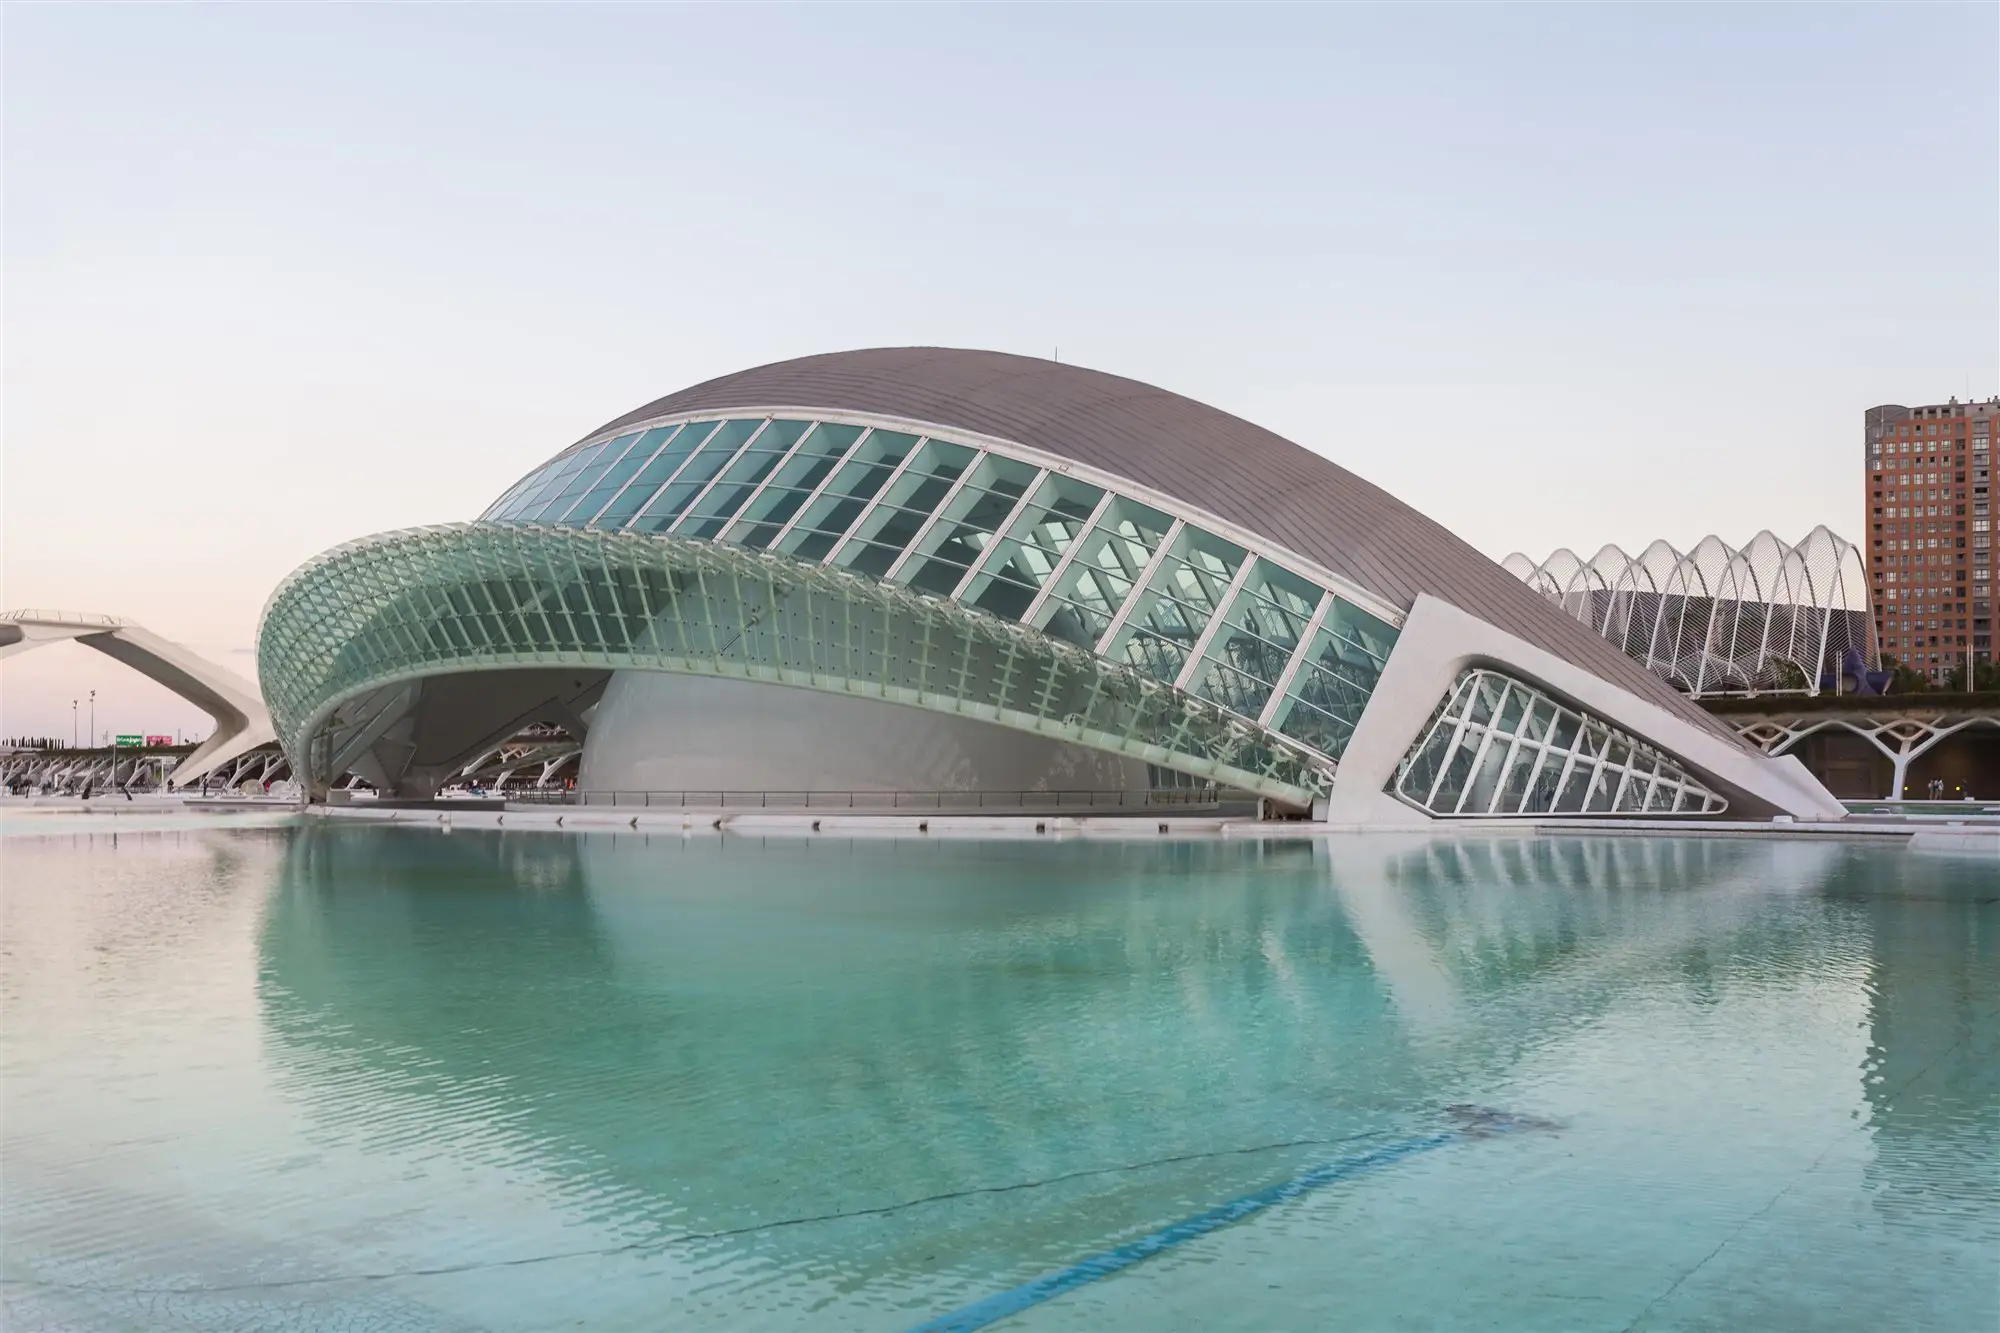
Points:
[(701, 1036)]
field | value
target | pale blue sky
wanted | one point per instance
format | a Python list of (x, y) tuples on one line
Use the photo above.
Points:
[(277, 276)]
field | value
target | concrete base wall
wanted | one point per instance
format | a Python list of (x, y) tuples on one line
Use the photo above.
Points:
[(658, 732)]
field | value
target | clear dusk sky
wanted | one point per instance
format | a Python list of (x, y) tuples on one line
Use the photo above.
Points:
[(281, 275)]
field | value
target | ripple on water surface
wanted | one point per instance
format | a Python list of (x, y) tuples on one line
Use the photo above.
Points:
[(355, 1077)]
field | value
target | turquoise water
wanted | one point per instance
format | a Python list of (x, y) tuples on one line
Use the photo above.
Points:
[(267, 1076)]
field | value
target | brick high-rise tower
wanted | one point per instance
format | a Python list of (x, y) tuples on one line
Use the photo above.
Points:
[(1931, 566)]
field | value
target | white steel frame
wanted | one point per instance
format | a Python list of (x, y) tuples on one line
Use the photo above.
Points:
[(1448, 734)]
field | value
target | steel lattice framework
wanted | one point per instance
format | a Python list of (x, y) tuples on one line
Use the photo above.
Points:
[(1718, 619), (1499, 746), (345, 638)]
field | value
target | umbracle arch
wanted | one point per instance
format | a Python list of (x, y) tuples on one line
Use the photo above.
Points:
[(1717, 617)]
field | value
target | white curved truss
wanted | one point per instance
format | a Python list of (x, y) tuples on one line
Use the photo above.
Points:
[(242, 723), (1717, 619)]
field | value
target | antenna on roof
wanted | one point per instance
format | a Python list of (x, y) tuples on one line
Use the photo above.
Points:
[(1058, 353)]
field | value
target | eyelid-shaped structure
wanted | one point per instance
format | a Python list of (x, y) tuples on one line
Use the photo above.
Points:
[(1101, 570)]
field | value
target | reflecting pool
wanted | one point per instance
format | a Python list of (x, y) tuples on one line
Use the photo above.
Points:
[(327, 1075)]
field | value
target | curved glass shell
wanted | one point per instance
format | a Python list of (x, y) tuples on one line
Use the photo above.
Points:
[(1498, 746), (1719, 619), (1139, 579), (344, 636)]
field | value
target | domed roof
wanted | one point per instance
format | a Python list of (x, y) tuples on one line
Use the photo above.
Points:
[(1201, 455)]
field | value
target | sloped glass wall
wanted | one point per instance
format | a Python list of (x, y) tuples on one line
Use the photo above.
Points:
[(1499, 746)]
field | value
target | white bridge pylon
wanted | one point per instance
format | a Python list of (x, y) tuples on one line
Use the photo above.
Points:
[(242, 723)]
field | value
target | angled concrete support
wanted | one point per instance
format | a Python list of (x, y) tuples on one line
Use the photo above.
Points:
[(242, 723)]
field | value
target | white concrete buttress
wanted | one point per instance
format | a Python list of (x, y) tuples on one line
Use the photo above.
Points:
[(242, 723)]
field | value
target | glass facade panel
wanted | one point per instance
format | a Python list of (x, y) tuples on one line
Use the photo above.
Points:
[(1102, 570), (666, 507), (866, 471), (893, 522), (1021, 563), (778, 436), (659, 451), (557, 479), (1333, 683), (967, 525), (605, 479), (929, 476), (1501, 747), (1175, 606), (1248, 653), (738, 482), (793, 483)]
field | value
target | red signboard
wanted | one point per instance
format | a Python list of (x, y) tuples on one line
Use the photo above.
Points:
[(158, 740)]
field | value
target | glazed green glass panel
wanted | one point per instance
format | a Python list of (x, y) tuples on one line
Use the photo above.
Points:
[(693, 478), (555, 492), (359, 620), (928, 476), (736, 484), (606, 481), (846, 494), (1020, 563), (778, 436), (664, 450), (1102, 572), (1249, 651), (793, 484), (965, 527), (1342, 663), (1172, 610)]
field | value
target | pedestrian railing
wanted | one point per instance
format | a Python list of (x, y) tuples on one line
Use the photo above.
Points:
[(1069, 799)]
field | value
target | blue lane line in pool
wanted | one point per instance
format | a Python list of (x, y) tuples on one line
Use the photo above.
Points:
[(1051, 1285)]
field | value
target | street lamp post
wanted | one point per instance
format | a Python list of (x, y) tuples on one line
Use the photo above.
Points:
[(93, 712), (72, 724)]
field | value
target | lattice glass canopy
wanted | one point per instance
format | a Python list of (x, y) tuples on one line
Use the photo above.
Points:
[(1499, 746), (345, 629), (1140, 581)]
